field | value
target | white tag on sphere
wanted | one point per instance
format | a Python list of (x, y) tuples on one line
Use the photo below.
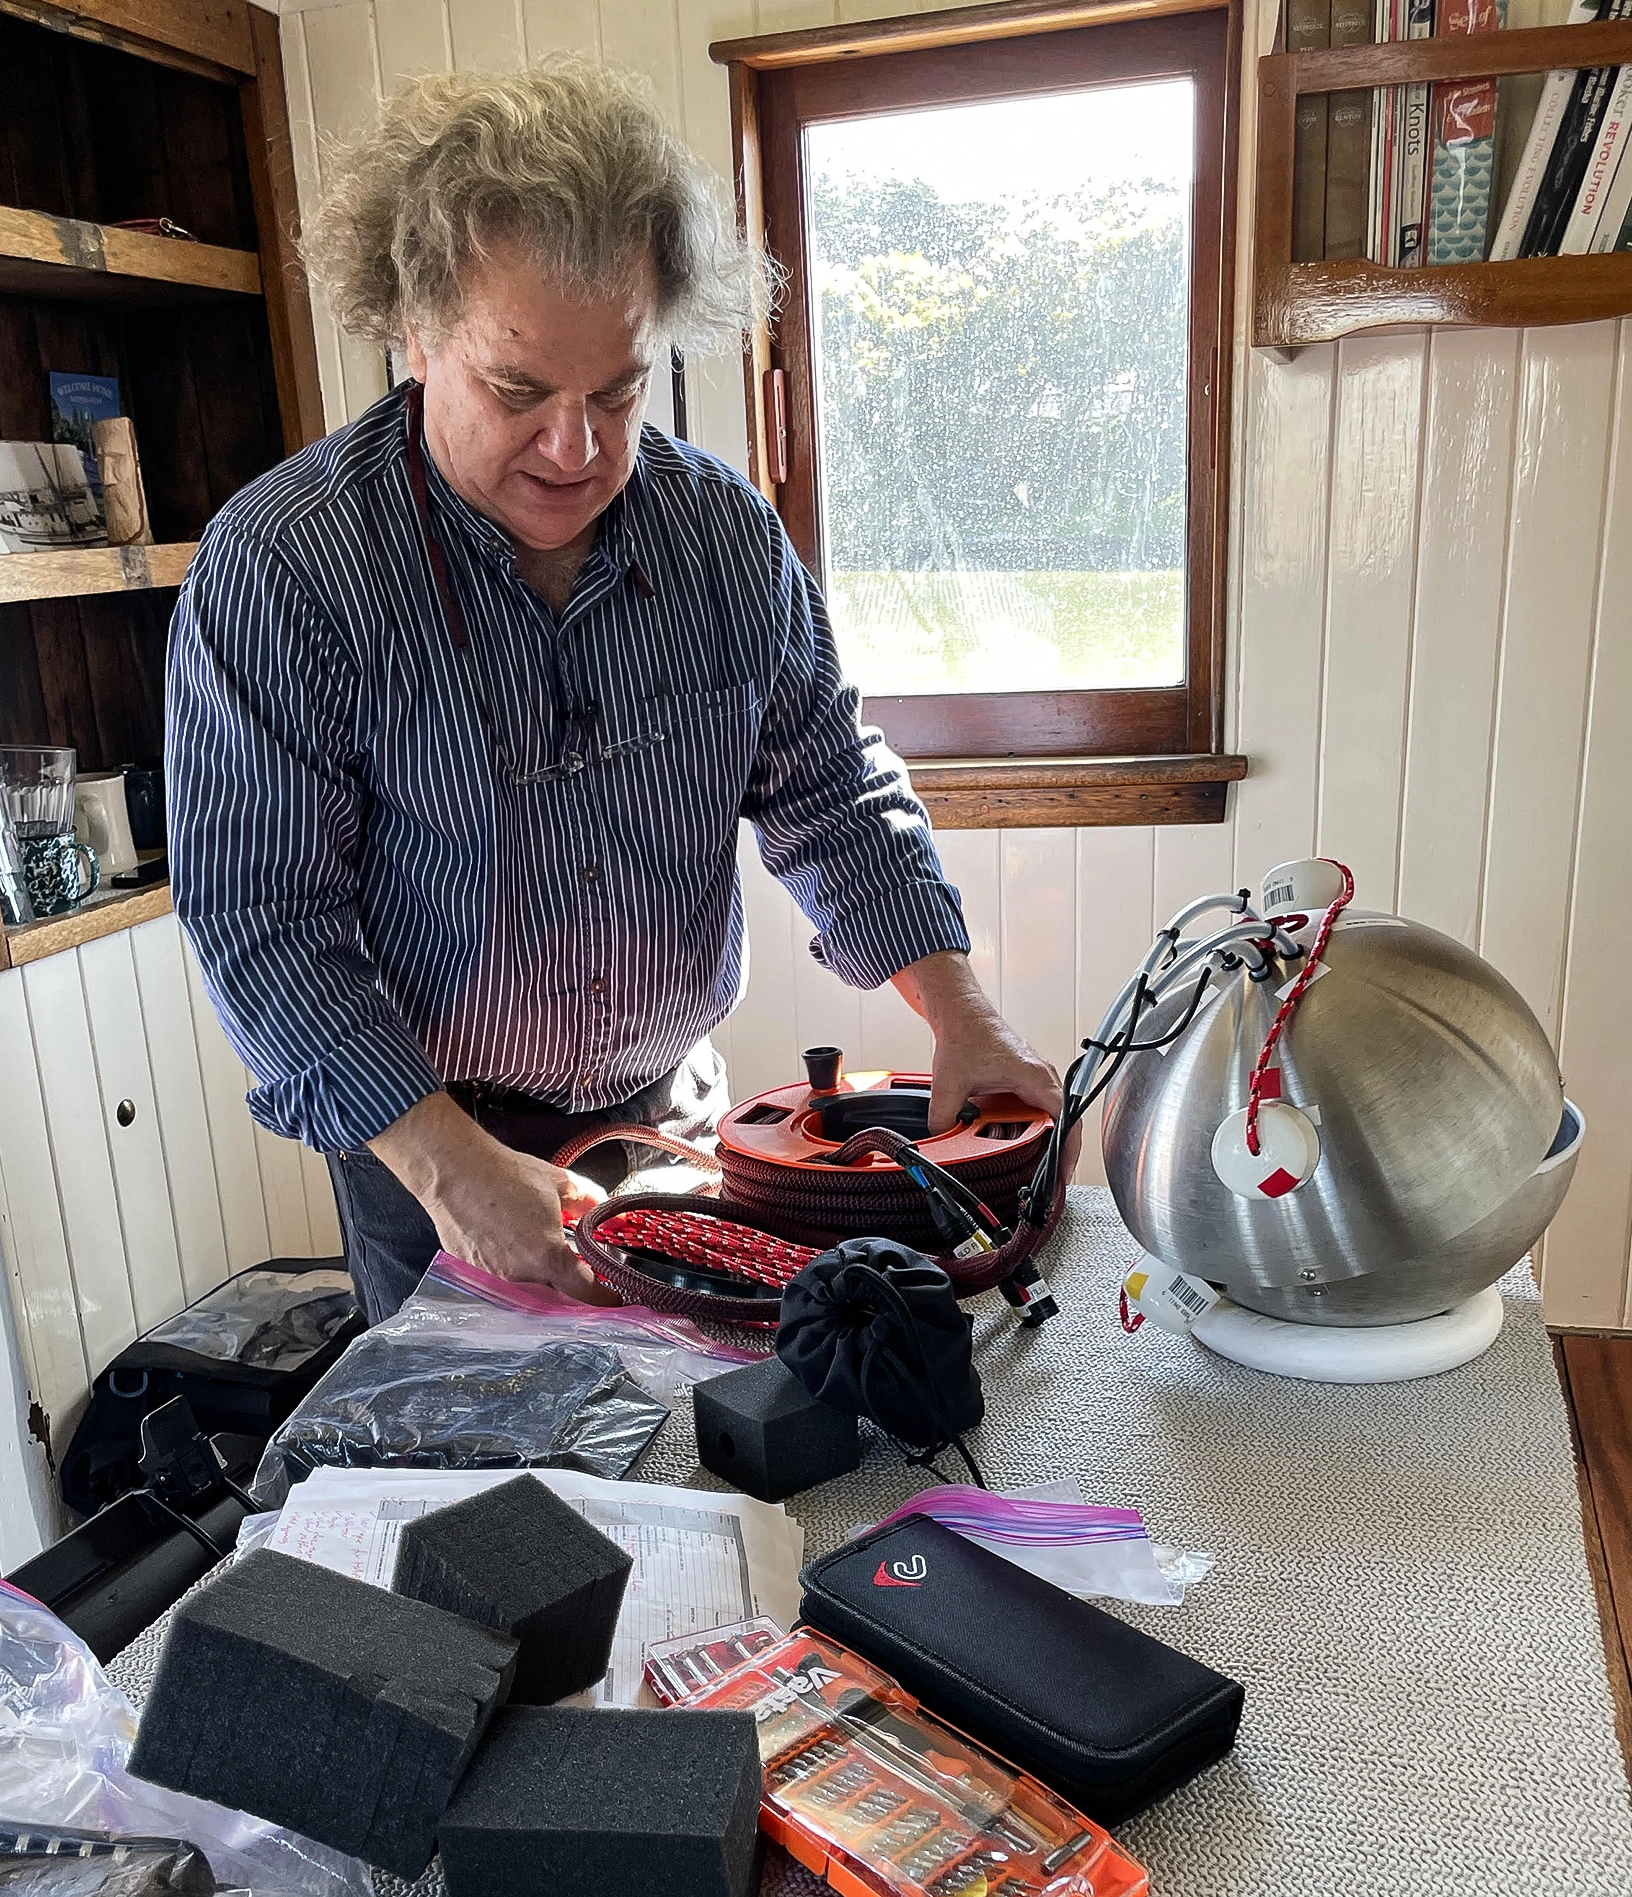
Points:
[(1288, 1152)]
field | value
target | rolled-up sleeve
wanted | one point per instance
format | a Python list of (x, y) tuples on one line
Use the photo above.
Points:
[(835, 815), (265, 816)]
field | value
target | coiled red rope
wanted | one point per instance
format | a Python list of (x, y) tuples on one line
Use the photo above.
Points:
[(705, 1239), (854, 1201), (1260, 1070), (783, 1211)]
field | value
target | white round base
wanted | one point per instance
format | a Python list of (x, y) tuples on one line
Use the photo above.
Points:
[(1378, 1353)]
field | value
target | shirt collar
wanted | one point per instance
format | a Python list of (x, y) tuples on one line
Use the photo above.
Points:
[(615, 542)]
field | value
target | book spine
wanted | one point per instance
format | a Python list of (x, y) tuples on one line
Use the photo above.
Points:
[(1617, 200), (1521, 197), (1380, 203), (1603, 167), (1572, 152), (1411, 209), (1463, 117), (1348, 141), (1308, 26), (1379, 111)]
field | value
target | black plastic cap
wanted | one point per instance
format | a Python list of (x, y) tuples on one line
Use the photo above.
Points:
[(823, 1065)]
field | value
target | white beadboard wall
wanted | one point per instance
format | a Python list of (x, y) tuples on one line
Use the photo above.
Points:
[(1431, 638), (107, 1229)]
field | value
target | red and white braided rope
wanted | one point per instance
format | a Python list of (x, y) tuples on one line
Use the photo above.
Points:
[(1260, 1071)]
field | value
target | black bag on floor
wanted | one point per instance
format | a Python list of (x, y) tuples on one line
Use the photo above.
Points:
[(243, 1356)]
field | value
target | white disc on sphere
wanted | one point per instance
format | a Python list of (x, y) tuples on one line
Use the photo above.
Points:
[(1374, 1353), (1288, 1152)]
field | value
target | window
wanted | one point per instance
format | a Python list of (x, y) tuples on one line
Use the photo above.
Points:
[(999, 367)]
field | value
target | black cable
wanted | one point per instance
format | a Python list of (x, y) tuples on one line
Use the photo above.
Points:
[(969, 1462), (925, 1459), (1146, 1047), (938, 1175), (1039, 1195)]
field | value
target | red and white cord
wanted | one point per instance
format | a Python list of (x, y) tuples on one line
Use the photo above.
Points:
[(1260, 1072), (714, 1244)]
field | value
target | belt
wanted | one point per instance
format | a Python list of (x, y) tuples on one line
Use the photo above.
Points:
[(475, 1094)]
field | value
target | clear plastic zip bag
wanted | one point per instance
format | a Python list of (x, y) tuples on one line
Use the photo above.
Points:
[(475, 1372), (65, 1734)]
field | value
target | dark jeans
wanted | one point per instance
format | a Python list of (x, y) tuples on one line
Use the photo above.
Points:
[(390, 1240)]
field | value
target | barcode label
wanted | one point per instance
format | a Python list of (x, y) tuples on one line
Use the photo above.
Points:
[(1187, 1297), (1278, 897)]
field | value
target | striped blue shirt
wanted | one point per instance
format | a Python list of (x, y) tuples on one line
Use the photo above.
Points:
[(399, 864)]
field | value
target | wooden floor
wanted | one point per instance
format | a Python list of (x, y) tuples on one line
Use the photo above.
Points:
[(1596, 1373)]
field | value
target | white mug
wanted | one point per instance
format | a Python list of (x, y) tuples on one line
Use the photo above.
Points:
[(102, 820)]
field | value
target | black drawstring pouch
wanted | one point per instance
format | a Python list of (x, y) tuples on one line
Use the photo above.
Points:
[(874, 1328)]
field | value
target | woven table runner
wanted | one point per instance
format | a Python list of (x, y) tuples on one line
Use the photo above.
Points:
[(1401, 1587)]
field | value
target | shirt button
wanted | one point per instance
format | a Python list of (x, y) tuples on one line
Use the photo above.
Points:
[(585, 1082), (597, 986), (591, 871), (572, 763)]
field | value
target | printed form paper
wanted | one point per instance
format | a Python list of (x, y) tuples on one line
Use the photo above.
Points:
[(701, 1560)]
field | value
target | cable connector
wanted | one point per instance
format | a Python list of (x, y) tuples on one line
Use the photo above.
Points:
[(1027, 1290)]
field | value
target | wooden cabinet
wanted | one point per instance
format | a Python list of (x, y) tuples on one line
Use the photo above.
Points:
[(1298, 303), (110, 111), (132, 1179)]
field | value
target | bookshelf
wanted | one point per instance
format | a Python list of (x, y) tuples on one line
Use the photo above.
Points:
[(77, 571), (117, 110), (68, 257), (1295, 304)]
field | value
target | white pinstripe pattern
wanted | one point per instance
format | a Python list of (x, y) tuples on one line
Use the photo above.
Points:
[(378, 905)]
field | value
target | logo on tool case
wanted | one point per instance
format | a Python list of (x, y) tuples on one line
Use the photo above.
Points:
[(902, 1573)]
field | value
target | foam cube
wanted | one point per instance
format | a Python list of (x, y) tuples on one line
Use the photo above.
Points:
[(518, 1559), (611, 1800), (322, 1704), (766, 1434)]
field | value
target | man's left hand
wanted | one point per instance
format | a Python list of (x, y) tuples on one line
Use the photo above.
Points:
[(976, 1051)]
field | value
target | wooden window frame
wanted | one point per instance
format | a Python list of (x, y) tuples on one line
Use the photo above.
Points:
[(785, 82)]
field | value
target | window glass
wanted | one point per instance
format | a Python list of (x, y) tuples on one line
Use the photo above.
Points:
[(1000, 306)]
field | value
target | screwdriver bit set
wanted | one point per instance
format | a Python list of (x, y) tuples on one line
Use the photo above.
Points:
[(869, 1791)]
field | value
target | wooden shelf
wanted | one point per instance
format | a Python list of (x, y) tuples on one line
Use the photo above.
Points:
[(1048, 794), (76, 571), (66, 257), (105, 913), (1299, 303), (212, 37)]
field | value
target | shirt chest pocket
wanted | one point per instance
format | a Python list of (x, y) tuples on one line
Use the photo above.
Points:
[(689, 782)]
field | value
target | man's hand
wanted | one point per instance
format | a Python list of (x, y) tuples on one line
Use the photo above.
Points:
[(976, 1051), (498, 1209)]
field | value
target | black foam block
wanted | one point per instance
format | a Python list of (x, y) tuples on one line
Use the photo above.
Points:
[(763, 1431), (519, 1559), (333, 1708), (607, 1801)]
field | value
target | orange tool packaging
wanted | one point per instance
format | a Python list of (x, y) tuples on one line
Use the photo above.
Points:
[(868, 1791)]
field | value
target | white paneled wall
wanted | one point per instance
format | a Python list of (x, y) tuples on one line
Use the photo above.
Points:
[(107, 1228), (1431, 639)]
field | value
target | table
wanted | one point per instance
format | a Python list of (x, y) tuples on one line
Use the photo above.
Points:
[(1402, 1588)]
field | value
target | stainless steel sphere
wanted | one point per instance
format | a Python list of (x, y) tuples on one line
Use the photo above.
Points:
[(1446, 1144)]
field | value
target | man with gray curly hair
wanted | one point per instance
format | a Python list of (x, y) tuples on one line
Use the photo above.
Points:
[(466, 701)]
